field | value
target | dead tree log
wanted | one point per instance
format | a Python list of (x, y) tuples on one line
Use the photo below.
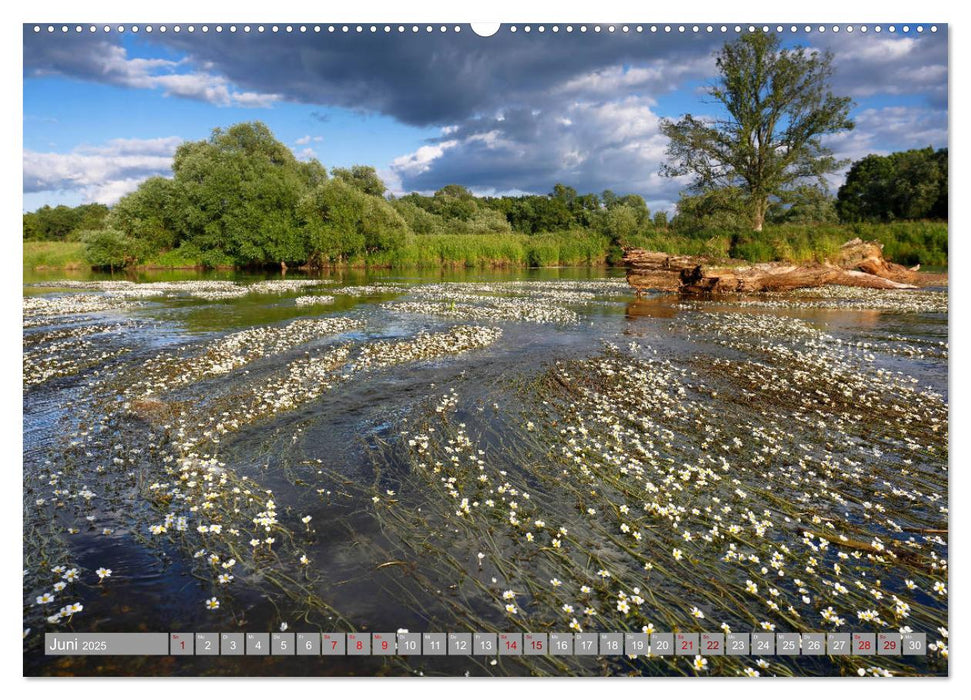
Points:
[(858, 264)]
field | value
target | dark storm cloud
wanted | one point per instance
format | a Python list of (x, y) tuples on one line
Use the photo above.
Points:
[(889, 64), (518, 112), (100, 59), (427, 79)]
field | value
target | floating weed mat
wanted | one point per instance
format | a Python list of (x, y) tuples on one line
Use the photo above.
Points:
[(540, 303), (211, 290), (425, 346), (142, 462), (69, 351), (169, 370), (495, 309), (369, 290), (793, 487), (838, 297), (314, 299), (43, 311)]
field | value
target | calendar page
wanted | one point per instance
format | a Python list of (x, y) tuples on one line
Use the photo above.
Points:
[(524, 349)]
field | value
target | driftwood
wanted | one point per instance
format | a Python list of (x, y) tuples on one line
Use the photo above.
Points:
[(858, 264)]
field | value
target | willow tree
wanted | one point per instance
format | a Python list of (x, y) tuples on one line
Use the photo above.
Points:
[(776, 105)]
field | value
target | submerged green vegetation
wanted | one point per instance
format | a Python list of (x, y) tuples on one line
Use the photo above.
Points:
[(241, 199), (489, 454)]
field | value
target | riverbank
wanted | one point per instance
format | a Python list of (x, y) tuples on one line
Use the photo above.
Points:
[(906, 243)]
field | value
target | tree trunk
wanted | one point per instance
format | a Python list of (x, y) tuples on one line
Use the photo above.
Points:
[(859, 264), (761, 205)]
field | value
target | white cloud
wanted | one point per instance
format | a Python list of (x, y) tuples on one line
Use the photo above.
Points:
[(421, 160), (105, 62), (887, 129), (99, 173), (660, 76), (590, 145)]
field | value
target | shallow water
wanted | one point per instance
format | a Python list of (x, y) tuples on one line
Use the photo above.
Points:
[(187, 369)]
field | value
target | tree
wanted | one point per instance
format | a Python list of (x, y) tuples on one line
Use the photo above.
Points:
[(110, 248), (904, 185), (804, 205), (778, 106), (721, 209), (148, 214), (62, 222), (362, 177), (237, 195), (661, 220), (342, 222), (454, 202)]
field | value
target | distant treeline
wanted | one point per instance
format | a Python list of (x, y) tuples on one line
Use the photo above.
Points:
[(62, 223), (903, 186), (241, 198)]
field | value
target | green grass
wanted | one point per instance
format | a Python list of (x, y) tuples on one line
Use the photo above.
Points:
[(496, 250), (907, 243), (54, 254), (69, 255)]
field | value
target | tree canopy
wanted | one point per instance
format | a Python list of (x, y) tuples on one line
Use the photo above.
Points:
[(240, 197), (901, 186), (777, 106), (62, 222)]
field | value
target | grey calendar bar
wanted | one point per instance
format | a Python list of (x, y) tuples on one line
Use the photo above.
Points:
[(660, 644), (106, 644)]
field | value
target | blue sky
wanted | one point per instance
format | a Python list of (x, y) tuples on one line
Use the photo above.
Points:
[(512, 113)]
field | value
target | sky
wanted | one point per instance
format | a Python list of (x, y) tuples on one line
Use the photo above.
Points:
[(507, 114)]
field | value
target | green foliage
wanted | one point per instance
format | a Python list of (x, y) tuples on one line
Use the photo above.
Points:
[(241, 198), (620, 223), (237, 195), (481, 222), (806, 204), (149, 214), (720, 210), (778, 106), (112, 249), (420, 221), (361, 177), (341, 223), (63, 223), (907, 185)]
